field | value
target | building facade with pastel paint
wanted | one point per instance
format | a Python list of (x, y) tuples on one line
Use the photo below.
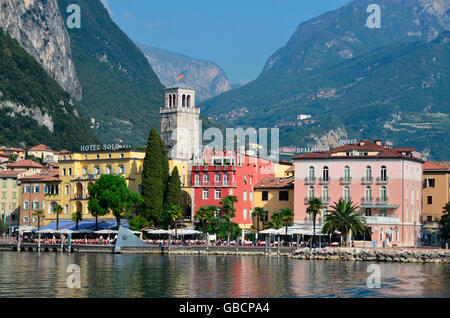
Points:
[(386, 185)]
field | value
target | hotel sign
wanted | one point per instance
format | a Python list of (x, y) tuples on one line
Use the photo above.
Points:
[(104, 147)]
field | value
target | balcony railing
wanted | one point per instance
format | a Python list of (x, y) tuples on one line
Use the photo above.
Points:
[(367, 201), (326, 200), (382, 180), (310, 180), (377, 219), (324, 181), (345, 180), (366, 180), (382, 201)]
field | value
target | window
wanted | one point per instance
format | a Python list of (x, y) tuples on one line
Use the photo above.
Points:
[(429, 199), (66, 190), (369, 173), (226, 178), (85, 171), (310, 192), (14, 195), (26, 205), (346, 173), (205, 194), (109, 170), (368, 212), (217, 194), (325, 174), (64, 171), (109, 156), (311, 173), (3, 195), (245, 214), (197, 179), (265, 196), (383, 173), (217, 178), (429, 183), (4, 184), (325, 194), (383, 194), (251, 196), (206, 178), (98, 156), (97, 170), (35, 205), (122, 155), (284, 196), (121, 170), (66, 209), (368, 194), (25, 219), (36, 189), (429, 218), (244, 196), (70, 171), (347, 193)]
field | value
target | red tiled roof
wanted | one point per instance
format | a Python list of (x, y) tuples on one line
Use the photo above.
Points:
[(25, 164), (362, 146), (40, 147), (434, 166), (44, 176), (271, 183), (10, 173)]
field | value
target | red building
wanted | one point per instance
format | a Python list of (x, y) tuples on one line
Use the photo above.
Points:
[(229, 174)]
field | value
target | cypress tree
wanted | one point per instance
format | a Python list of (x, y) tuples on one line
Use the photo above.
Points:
[(155, 174), (174, 195)]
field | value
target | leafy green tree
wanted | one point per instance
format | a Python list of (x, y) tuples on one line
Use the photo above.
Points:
[(287, 218), (3, 226), (445, 221), (314, 209), (227, 212), (57, 209), (345, 218), (112, 195), (155, 174), (94, 206), (205, 215), (260, 215), (138, 223), (40, 215), (174, 195), (172, 217), (77, 217), (228, 231)]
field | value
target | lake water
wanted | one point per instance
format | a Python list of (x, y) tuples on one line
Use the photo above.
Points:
[(29, 274)]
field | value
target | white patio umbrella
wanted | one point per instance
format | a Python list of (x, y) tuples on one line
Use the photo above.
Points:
[(64, 231), (159, 231), (185, 232), (47, 231), (272, 231), (106, 232), (83, 231)]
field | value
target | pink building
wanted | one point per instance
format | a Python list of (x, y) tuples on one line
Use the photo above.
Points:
[(385, 183)]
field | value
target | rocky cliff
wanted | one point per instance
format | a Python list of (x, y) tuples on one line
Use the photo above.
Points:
[(39, 28), (206, 77)]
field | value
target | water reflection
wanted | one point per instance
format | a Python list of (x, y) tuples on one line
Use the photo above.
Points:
[(29, 274)]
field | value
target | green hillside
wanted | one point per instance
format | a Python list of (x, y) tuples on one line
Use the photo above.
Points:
[(31, 91), (120, 90)]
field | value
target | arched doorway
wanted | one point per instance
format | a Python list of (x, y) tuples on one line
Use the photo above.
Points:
[(79, 206), (79, 190), (187, 208)]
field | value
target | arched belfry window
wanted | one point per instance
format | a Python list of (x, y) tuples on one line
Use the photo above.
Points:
[(174, 104), (183, 103), (189, 101), (170, 100)]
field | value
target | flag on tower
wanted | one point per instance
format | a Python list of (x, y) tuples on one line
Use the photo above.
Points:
[(180, 77)]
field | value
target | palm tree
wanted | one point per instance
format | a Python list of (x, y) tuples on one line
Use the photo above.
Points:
[(77, 217), (57, 209), (260, 215), (40, 214), (345, 218), (287, 218), (313, 209), (228, 211), (204, 216)]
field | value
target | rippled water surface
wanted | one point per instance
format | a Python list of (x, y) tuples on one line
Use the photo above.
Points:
[(29, 274)]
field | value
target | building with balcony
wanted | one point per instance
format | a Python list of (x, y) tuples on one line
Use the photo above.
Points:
[(384, 183), (79, 170)]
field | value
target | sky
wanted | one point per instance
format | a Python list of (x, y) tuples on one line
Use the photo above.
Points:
[(237, 35)]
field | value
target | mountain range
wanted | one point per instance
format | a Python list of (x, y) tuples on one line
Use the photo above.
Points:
[(354, 81), (207, 78)]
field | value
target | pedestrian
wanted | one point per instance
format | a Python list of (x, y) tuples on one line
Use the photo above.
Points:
[(101, 239), (53, 239)]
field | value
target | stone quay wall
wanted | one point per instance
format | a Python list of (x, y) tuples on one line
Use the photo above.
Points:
[(373, 255)]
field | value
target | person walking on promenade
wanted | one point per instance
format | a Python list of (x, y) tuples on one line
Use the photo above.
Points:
[(53, 239), (101, 239)]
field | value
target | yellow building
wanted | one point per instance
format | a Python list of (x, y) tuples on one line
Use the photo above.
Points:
[(436, 194), (184, 170), (79, 170), (273, 194)]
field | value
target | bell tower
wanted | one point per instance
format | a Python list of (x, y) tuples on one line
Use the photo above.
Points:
[(180, 124)]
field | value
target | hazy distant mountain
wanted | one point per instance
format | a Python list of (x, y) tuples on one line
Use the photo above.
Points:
[(206, 77), (354, 81)]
